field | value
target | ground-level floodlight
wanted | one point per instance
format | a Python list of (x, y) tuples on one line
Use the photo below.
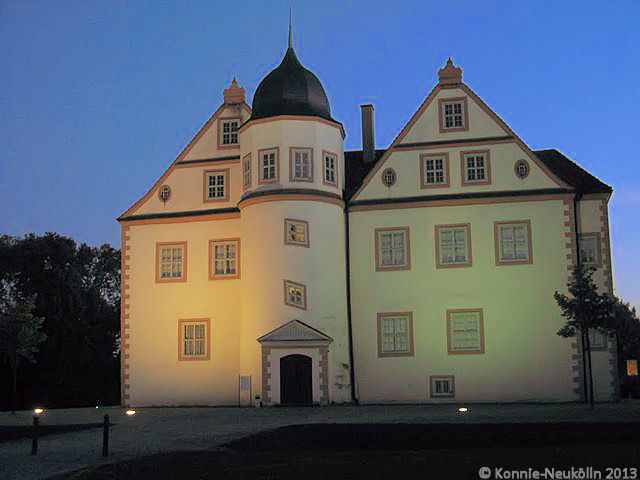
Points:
[(463, 410), (130, 412), (38, 411)]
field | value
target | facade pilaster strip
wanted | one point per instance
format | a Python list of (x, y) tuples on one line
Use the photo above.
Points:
[(324, 380), (266, 375), (125, 334), (607, 271)]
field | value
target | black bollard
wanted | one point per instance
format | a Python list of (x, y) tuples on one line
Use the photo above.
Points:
[(34, 439), (105, 437)]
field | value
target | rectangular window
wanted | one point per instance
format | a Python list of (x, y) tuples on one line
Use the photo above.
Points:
[(295, 294), (597, 340), (228, 134), (171, 262), (442, 386), (392, 249), (296, 232), (453, 114), (465, 331), (216, 185), (246, 171), (475, 167), (224, 258), (194, 341), (300, 164), (395, 334), (434, 170), (590, 249), (330, 169), (513, 242), (453, 245), (269, 165)]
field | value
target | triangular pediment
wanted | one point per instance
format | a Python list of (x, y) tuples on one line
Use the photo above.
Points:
[(295, 331)]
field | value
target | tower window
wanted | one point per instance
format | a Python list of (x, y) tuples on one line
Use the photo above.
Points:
[(296, 232), (246, 171), (300, 164), (330, 176), (295, 294), (269, 166)]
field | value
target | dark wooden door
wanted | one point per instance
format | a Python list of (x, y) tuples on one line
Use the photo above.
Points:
[(295, 380)]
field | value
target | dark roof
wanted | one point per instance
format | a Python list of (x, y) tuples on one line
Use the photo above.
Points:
[(356, 170), (571, 173), (290, 89), (564, 168)]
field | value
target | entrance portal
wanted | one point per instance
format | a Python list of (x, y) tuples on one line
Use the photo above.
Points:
[(295, 380)]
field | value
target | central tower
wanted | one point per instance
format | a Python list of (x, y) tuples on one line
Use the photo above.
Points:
[(294, 312)]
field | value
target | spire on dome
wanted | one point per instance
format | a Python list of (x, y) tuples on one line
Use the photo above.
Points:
[(450, 74), (290, 37)]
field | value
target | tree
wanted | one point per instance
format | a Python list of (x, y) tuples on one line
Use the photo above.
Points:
[(586, 309), (77, 292), (20, 330)]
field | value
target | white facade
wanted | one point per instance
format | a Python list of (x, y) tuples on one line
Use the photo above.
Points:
[(256, 266)]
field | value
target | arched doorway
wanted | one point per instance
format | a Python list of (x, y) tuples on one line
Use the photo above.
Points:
[(295, 380)]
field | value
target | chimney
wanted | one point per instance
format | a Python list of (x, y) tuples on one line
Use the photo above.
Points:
[(368, 136), (234, 94)]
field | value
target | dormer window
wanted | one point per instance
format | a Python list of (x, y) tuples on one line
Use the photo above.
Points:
[(453, 114), (228, 136)]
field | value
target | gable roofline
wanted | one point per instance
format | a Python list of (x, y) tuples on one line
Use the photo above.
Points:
[(183, 153), (425, 104), (320, 336)]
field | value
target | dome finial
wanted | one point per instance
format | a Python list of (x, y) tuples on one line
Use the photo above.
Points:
[(290, 37)]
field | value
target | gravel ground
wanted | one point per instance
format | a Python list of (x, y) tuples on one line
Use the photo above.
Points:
[(156, 430)]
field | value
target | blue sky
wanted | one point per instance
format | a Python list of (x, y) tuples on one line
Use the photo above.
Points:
[(98, 97)]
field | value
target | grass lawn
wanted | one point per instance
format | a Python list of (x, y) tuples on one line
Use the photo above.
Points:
[(393, 451)]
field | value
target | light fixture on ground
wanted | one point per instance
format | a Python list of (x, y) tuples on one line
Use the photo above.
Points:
[(130, 412), (463, 410), (38, 410)]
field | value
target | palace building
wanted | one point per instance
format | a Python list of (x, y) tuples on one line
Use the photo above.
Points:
[(269, 262)]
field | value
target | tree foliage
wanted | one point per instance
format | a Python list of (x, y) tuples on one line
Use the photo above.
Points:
[(586, 308), (21, 332), (77, 291)]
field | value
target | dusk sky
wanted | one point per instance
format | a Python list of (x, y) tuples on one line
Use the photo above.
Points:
[(97, 98)]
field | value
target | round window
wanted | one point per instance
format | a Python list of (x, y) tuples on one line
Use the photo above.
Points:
[(521, 168), (164, 193), (389, 177)]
